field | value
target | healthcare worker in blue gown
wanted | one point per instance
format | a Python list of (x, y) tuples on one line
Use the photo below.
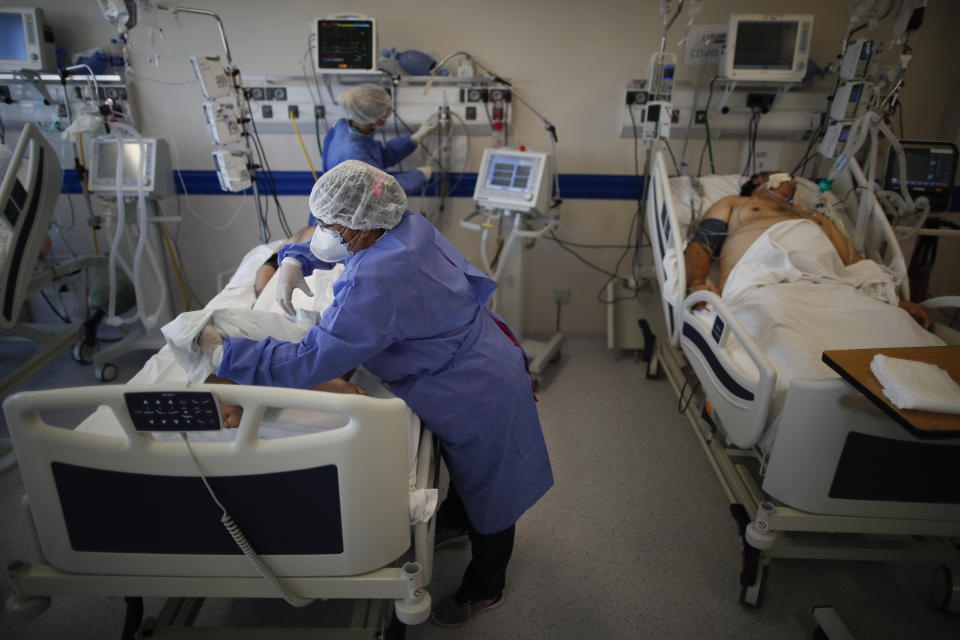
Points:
[(411, 309), (352, 138)]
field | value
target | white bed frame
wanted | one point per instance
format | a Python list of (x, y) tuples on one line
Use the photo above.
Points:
[(368, 455), (775, 497), (30, 188)]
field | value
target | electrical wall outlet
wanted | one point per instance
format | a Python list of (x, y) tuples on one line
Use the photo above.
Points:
[(276, 93), (319, 111), (293, 111), (561, 296)]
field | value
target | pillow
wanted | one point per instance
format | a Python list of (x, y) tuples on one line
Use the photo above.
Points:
[(692, 197)]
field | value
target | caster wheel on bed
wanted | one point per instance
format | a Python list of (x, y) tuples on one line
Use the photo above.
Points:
[(653, 368), (751, 595), (82, 352), (106, 373), (946, 589)]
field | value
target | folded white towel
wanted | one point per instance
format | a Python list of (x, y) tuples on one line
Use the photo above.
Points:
[(916, 385)]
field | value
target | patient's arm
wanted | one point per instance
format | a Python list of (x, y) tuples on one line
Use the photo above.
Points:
[(840, 241), (917, 312), (268, 268), (697, 258), (230, 414)]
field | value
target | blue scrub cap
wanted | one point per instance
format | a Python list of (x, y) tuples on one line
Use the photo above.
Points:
[(366, 103), (358, 196)]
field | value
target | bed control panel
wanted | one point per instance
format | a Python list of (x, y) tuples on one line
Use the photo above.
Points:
[(173, 410)]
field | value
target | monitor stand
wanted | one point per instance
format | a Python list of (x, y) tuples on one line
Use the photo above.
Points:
[(510, 290)]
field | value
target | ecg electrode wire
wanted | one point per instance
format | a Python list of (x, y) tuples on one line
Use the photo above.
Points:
[(242, 542)]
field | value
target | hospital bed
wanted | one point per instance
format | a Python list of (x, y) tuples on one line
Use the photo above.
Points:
[(793, 460), (328, 488), (29, 189)]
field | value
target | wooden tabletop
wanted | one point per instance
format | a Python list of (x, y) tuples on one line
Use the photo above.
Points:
[(853, 365)]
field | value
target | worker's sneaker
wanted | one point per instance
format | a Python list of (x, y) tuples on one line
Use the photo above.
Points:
[(444, 536), (454, 610)]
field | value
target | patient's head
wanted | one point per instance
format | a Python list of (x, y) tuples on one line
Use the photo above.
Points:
[(777, 183)]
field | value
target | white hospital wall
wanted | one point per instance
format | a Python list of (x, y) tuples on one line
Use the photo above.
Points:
[(570, 60)]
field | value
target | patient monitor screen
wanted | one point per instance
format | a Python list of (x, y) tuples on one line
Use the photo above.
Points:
[(765, 45), (930, 172), (345, 44), (13, 41), (511, 173)]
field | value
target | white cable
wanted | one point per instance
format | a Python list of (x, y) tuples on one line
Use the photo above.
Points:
[(242, 542), (186, 195)]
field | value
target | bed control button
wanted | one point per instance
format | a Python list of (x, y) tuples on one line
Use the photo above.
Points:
[(173, 411)]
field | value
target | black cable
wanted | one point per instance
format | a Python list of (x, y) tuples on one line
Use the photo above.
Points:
[(563, 245), (681, 406), (706, 116), (903, 136), (3, 133), (53, 308), (316, 134), (258, 144), (676, 165), (636, 158)]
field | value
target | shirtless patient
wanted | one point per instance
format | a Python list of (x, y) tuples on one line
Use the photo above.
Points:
[(733, 223)]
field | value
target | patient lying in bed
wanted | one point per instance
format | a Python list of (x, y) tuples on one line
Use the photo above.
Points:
[(733, 224), (794, 282)]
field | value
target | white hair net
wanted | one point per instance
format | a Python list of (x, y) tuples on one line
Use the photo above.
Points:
[(366, 103), (358, 196)]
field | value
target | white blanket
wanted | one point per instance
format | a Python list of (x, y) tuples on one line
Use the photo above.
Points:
[(230, 310), (795, 297)]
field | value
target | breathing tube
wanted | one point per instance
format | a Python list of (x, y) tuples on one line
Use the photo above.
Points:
[(149, 321)]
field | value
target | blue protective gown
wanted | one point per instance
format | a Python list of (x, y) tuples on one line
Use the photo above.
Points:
[(342, 143), (411, 309)]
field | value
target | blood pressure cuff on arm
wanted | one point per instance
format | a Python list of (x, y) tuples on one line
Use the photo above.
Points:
[(710, 235)]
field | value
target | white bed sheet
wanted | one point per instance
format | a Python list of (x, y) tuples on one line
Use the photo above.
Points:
[(795, 309), (278, 423)]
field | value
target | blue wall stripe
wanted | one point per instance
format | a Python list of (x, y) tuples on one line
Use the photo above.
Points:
[(573, 186), (299, 183)]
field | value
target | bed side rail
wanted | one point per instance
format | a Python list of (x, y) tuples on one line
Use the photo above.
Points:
[(946, 333), (667, 247), (329, 503), (740, 405), (880, 241)]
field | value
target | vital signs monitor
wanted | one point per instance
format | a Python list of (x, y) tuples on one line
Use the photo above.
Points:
[(766, 48), (346, 44)]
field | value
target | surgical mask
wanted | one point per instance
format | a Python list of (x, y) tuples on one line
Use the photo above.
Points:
[(327, 245)]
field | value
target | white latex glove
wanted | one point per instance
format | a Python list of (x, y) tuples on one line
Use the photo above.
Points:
[(425, 129), (210, 343), (426, 171), (290, 277)]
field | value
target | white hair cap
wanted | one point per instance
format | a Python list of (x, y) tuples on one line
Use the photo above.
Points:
[(366, 103), (358, 196)]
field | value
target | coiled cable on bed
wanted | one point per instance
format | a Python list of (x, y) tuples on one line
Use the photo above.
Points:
[(242, 542)]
